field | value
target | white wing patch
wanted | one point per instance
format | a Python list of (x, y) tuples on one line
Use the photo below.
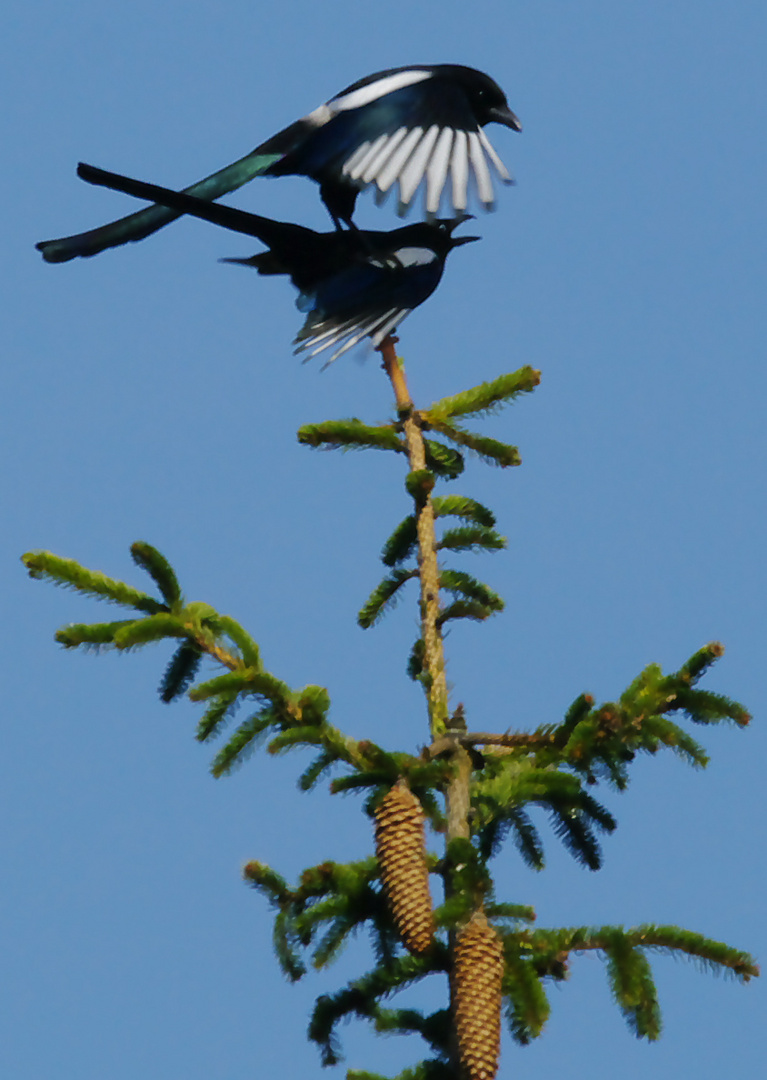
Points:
[(378, 89), (414, 158), (407, 256), (319, 116)]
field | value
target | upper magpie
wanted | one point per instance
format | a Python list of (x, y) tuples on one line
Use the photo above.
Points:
[(408, 125), (352, 283)]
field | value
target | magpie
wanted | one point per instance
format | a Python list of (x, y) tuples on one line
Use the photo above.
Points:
[(352, 283), (408, 125)]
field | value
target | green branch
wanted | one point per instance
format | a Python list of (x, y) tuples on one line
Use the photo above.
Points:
[(70, 574), (488, 397)]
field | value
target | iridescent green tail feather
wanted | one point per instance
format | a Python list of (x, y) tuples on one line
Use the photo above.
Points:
[(145, 222)]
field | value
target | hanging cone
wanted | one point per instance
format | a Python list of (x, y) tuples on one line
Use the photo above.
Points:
[(477, 976), (401, 853)]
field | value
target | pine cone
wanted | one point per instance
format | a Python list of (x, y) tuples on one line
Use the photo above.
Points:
[(477, 976), (400, 848)]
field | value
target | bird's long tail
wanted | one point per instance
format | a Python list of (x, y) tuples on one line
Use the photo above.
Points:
[(145, 222), (277, 234)]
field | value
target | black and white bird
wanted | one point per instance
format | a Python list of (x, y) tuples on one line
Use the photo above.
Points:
[(412, 126), (352, 283)]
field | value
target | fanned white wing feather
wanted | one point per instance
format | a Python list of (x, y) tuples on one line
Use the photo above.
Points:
[(396, 317), (349, 332), (500, 168), (357, 335), (334, 341), (310, 333), (391, 169), (383, 155), (363, 162), (351, 163), (459, 168), (410, 156), (436, 171), (481, 171), (412, 174)]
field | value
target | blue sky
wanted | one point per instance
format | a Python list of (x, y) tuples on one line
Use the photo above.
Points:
[(151, 393)]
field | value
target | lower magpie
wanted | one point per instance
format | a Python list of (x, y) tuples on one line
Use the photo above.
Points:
[(409, 125), (352, 284)]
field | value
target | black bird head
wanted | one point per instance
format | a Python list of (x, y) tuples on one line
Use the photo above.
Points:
[(440, 234), (488, 100)]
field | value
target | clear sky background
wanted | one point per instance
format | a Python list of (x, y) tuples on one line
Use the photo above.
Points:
[(151, 393)]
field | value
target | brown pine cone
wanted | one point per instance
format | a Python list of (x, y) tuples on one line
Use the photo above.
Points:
[(477, 978), (401, 852)]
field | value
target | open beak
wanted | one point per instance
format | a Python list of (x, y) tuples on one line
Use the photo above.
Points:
[(449, 224), (502, 114), (453, 223)]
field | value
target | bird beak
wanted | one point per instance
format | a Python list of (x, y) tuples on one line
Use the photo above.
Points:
[(453, 223), (502, 114)]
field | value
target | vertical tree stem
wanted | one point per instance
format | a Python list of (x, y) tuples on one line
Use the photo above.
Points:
[(458, 800), (428, 570), (457, 794)]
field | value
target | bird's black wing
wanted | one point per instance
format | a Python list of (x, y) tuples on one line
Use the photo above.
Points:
[(420, 133), (367, 299)]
